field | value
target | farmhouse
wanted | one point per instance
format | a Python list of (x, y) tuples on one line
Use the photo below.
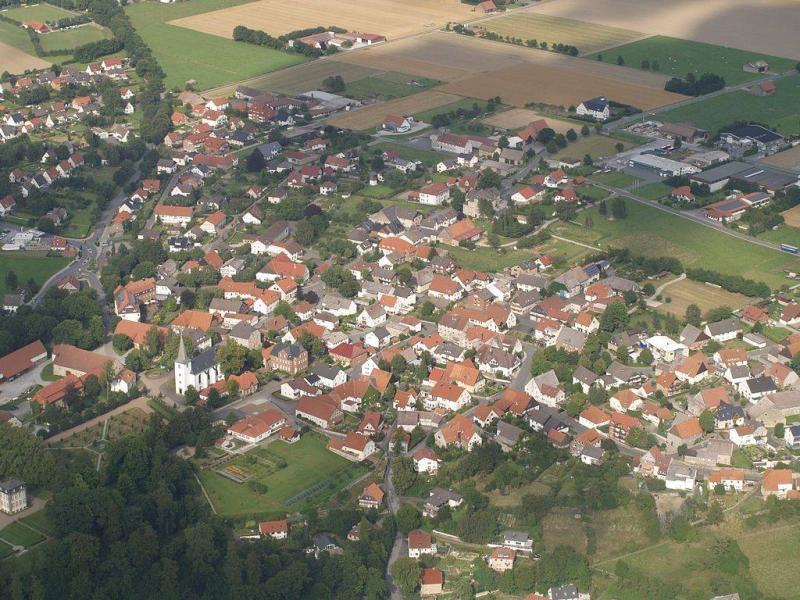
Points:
[(397, 124), (21, 360), (256, 428), (597, 108)]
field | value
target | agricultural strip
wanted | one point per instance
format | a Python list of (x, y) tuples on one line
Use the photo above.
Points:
[(373, 115), (517, 118)]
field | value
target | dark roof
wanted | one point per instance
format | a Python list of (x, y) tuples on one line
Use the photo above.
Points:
[(9, 485), (759, 385), (203, 361), (599, 104), (753, 132)]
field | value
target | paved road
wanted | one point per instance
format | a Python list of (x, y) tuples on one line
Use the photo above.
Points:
[(393, 501)]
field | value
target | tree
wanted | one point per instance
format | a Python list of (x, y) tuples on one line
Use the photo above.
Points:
[(693, 315), (585, 130), (12, 281), (406, 573), (779, 430), (232, 357), (407, 519), (403, 474), (304, 232), (571, 135), (615, 317), (706, 419), (334, 84), (619, 210), (191, 395), (488, 179), (121, 343), (715, 513), (255, 161), (620, 61)]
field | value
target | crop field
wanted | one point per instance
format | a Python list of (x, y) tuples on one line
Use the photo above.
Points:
[(385, 17), (792, 216), (16, 51), (586, 37), (308, 462), (788, 159), (768, 26), (373, 115), (518, 118), (780, 111), (653, 232), (37, 12), (686, 292), (72, 38), (679, 57), (210, 60)]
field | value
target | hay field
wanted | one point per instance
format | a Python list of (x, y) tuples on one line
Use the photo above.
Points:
[(586, 37), (388, 17), (526, 82), (517, 118), (788, 159), (14, 60), (686, 292), (766, 26), (373, 115), (792, 216)]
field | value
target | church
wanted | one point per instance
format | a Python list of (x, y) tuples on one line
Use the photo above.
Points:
[(198, 372)]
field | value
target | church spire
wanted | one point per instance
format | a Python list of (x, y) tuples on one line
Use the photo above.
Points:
[(181, 351)]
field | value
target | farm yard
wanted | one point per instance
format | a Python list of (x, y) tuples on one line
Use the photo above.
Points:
[(517, 118), (291, 474), (586, 37), (678, 57), (209, 60), (734, 23), (686, 292), (373, 115), (652, 232), (779, 111), (278, 17)]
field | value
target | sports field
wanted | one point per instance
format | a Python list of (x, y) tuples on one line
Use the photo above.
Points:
[(373, 115), (767, 26), (586, 37), (185, 54), (518, 118), (72, 38), (679, 57), (308, 462), (788, 159), (386, 17), (653, 232), (780, 111), (37, 12), (41, 268), (686, 292)]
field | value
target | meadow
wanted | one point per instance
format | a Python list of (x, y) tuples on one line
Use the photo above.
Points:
[(72, 38), (210, 60), (686, 292), (41, 268), (678, 57), (595, 146), (308, 462), (386, 86), (779, 111), (653, 232), (38, 12), (16, 51)]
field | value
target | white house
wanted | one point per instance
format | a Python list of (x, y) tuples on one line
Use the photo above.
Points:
[(597, 108)]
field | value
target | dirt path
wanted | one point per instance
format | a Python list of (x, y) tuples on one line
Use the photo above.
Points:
[(140, 403)]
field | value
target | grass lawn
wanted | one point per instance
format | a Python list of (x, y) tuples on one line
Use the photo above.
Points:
[(774, 560), (72, 38), (387, 86), (564, 254), (466, 103), (686, 292), (592, 192), (39, 520), (619, 531), (16, 36), (38, 12), (17, 534), (47, 373), (27, 266), (615, 179), (5, 550), (593, 145), (80, 223), (654, 191), (653, 232), (777, 334), (487, 259), (679, 57), (379, 191), (560, 527), (780, 111), (427, 157), (211, 60), (308, 462), (783, 235)]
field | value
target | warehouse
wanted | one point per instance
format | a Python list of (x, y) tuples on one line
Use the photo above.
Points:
[(665, 167)]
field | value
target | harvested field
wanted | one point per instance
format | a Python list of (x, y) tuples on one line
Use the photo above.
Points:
[(17, 61), (517, 118), (523, 83), (788, 159), (686, 292), (792, 216), (373, 115), (277, 17), (586, 37), (768, 26)]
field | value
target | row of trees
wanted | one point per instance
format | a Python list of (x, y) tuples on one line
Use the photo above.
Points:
[(692, 86)]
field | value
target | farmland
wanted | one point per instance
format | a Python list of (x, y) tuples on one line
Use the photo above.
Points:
[(517, 118), (278, 17), (788, 159), (678, 57), (72, 38), (41, 268), (16, 51), (735, 23), (594, 145), (373, 115), (38, 12), (652, 232), (780, 110), (686, 292), (308, 462), (792, 216), (190, 55), (386, 86), (587, 37)]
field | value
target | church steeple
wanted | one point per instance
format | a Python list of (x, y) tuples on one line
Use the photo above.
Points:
[(181, 352)]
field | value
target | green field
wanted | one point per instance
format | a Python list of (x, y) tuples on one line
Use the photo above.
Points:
[(783, 235), (26, 266), (653, 232), (308, 462), (72, 38), (654, 191), (17, 534), (615, 179), (37, 12), (487, 259), (679, 57), (387, 86), (780, 111), (427, 157), (39, 521), (211, 60), (594, 145)]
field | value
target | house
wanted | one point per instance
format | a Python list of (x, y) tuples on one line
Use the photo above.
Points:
[(420, 543), (214, 223), (438, 498), (625, 400), (792, 437), (277, 530), (353, 446), (459, 432), (431, 582), (433, 194), (288, 357), (597, 108), (593, 417), (725, 330), (621, 425), (568, 591), (777, 482), (76, 361), (13, 496), (426, 461), (729, 478), (502, 559), (371, 497), (173, 215), (323, 411), (397, 124), (23, 359), (685, 432), (680, 476), (257, 428)]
